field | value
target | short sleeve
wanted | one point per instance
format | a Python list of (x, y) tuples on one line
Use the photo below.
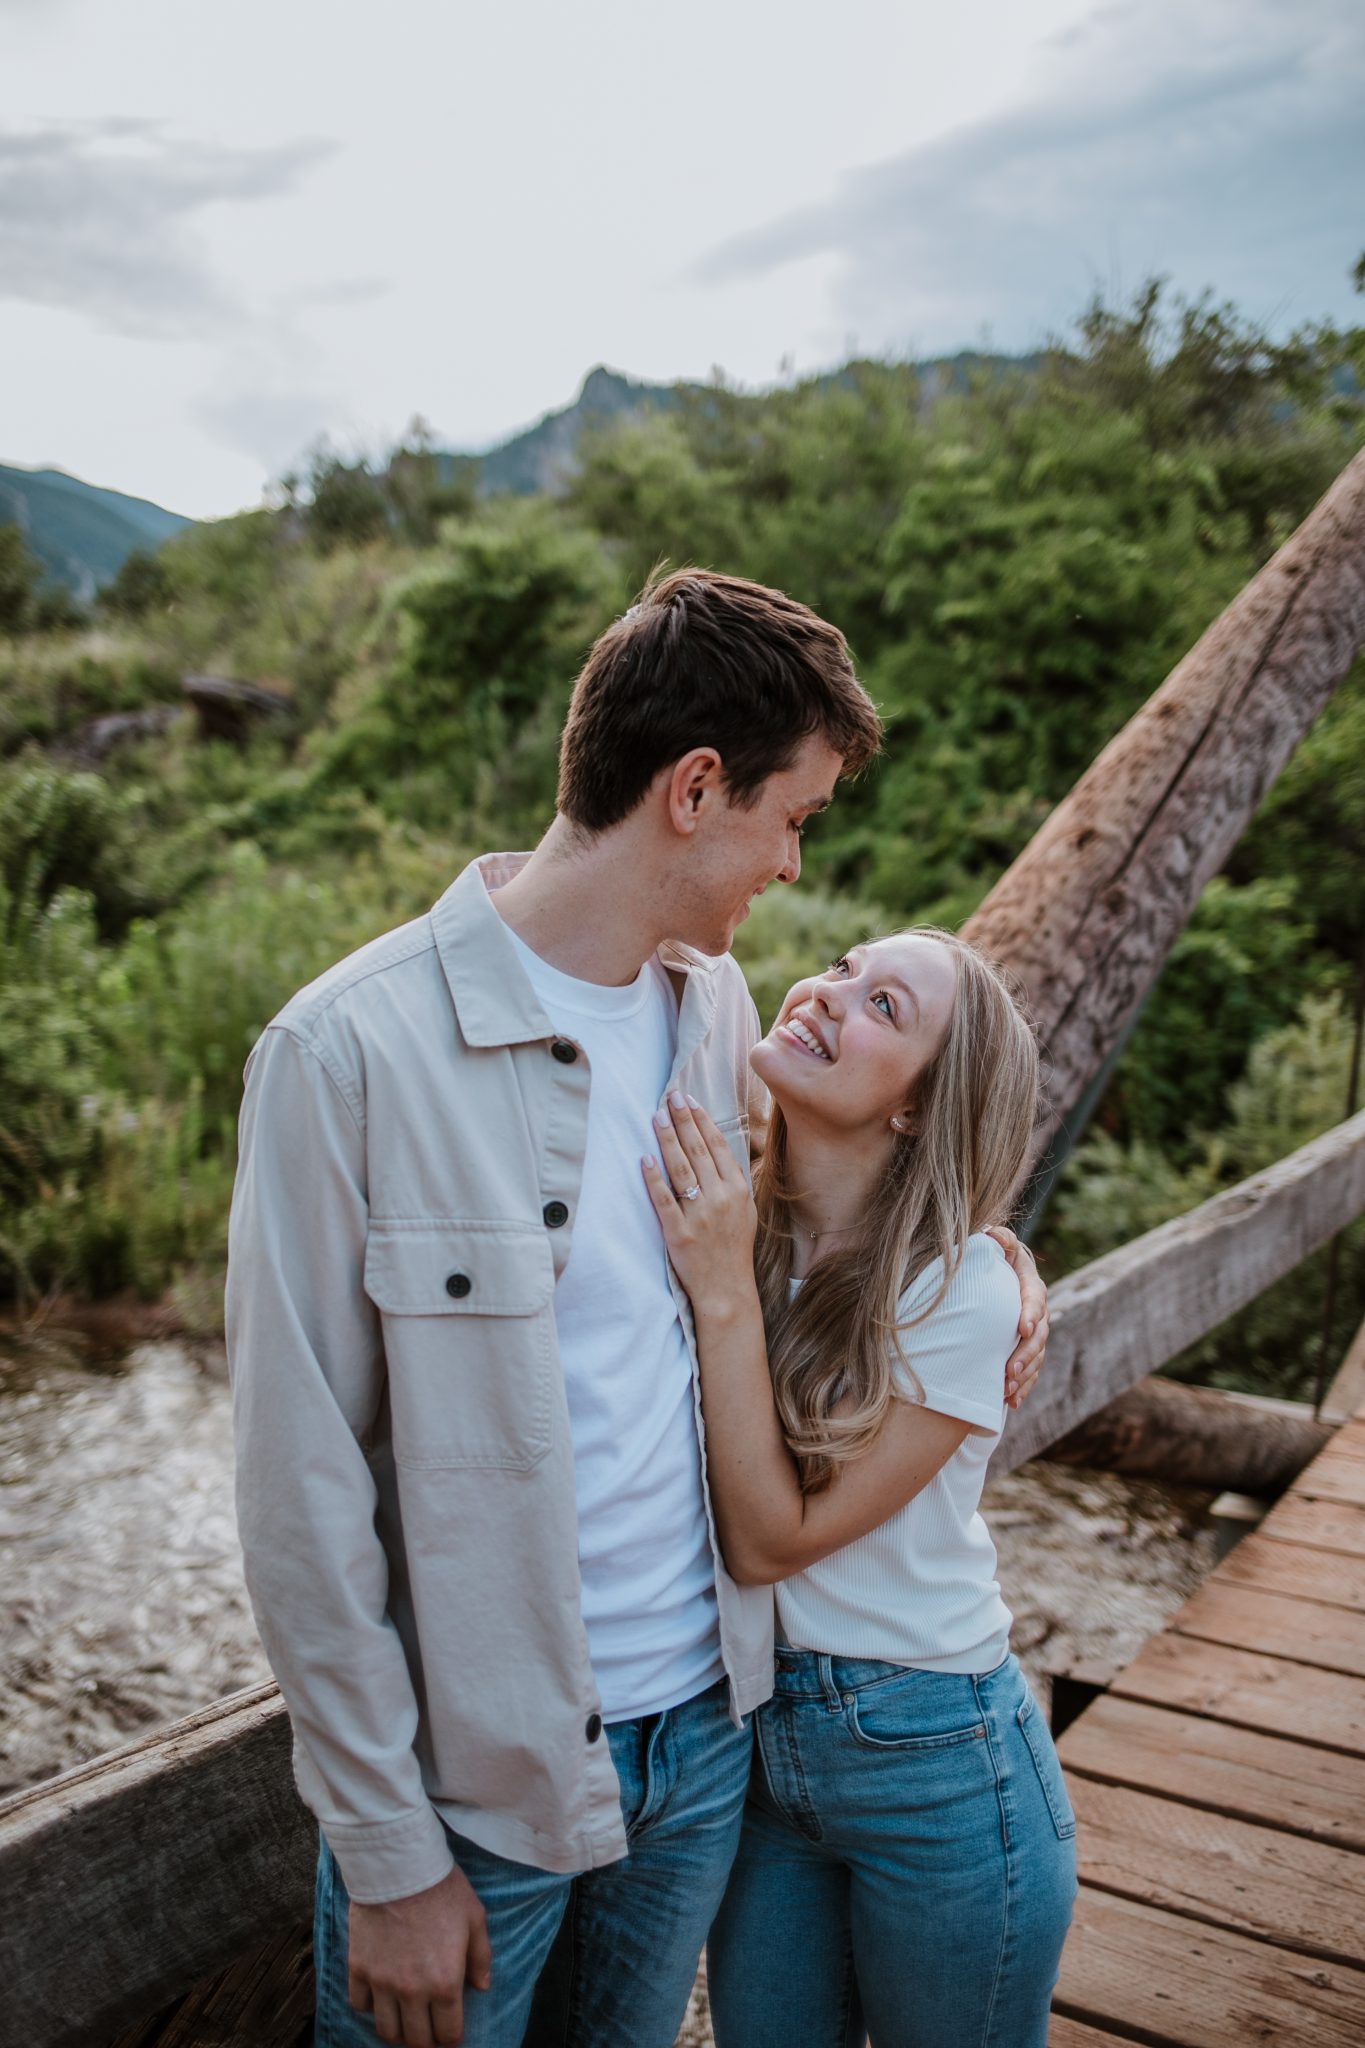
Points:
[(958, 1353)]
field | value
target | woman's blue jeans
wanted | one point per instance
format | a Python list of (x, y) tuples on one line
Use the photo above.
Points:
[(907, 1868)]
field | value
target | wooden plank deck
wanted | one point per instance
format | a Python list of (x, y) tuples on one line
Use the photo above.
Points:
[(1219, 1788)]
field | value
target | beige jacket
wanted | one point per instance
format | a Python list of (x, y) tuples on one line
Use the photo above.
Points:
[(412, 1144)]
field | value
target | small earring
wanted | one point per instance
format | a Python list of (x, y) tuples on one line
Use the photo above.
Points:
[(896, 1124)]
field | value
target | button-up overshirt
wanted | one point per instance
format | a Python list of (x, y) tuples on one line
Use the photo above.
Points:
[(412, 1143)]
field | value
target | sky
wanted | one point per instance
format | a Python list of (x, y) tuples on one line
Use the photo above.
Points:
[(226, 232)]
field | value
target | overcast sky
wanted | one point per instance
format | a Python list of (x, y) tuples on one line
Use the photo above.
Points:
[(225, 231)]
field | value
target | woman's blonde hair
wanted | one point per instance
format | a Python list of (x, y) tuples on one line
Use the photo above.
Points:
[(835, 1344)]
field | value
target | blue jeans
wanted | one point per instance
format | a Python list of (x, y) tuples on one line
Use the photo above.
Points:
[(907, 1868), (623, 1940)]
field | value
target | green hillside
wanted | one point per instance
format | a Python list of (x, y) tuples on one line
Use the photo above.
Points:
[(545, 457), (81, 534)]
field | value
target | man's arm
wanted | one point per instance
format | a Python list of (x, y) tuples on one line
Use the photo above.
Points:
[(1025, 1362), (307, 1363), (307, 1366)]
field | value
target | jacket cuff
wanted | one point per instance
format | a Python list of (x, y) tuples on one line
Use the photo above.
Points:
[(382, 1860)]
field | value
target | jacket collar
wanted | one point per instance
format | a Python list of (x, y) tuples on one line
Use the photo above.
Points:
[(493, 997)]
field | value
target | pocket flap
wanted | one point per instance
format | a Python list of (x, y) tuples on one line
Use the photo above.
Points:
[(452, 1269)]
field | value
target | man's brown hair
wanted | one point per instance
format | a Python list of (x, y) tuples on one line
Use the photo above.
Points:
[(702, 660)]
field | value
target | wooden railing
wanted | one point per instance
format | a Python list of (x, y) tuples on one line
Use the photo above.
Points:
[(1131, 1312)]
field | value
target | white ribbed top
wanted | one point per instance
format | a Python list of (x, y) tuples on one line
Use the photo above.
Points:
[(921, 1589)]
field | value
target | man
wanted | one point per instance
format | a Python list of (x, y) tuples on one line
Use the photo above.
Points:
[(471, 1486)]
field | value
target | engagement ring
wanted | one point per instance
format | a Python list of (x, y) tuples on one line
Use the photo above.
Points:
[(690, 1194)]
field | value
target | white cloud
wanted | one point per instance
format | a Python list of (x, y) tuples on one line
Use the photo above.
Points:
[(1222, 146), (98, 217)]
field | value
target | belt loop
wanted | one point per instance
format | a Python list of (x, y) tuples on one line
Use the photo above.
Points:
[(825, 1664)]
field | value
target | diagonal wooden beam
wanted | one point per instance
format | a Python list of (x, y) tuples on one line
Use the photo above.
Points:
[(1087, 914)]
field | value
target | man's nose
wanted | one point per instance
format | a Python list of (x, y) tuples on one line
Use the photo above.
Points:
[(791, 866)]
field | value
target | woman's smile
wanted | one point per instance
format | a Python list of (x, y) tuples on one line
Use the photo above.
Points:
[(806, 1038)]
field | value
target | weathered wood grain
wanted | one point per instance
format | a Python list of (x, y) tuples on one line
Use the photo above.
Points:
[(1065, 2033), (1194, 1436), (1301, 1631), (1125, 1315), (1319, 1793), (1346, 1395), (124, 1883), (1088, 912), (1256, 1880), (1180, 1984), (1249, 1691), (1336, 1475), (1299, 1570), (1326, 1525), (264, 2000)]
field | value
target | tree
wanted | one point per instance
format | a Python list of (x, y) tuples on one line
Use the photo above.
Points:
[(21, 573)]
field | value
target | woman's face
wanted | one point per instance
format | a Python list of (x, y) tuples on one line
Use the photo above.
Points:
[(849, 1045)]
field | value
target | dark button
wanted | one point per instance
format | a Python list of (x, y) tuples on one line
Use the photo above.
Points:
[(564, 1051), (555, 1213), (458, 1285), (594, 1727)]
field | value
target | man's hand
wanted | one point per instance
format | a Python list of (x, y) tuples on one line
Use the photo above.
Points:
[(1025, 1361), (410, 1960)]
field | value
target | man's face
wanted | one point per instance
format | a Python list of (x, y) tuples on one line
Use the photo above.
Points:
[(737, 851)]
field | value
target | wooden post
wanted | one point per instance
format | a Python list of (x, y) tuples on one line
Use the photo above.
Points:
[(1087, 914)]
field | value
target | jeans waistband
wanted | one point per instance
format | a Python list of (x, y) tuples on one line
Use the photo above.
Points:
[(816, 1674)]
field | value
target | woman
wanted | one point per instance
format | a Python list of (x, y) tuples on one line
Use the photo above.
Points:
[(908, 1862)]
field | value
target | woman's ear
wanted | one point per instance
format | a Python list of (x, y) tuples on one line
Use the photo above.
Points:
[(903, 1123)]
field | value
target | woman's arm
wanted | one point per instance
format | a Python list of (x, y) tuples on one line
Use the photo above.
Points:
[(768, 1528)]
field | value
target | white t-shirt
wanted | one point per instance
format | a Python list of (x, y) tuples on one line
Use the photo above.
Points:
[(644, 1551), (921, 1589)]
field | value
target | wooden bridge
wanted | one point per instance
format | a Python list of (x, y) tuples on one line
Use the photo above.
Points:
[(1219, 1788), (159, 1897)]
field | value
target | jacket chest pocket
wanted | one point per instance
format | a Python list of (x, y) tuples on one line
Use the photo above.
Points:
[(467, 1312)]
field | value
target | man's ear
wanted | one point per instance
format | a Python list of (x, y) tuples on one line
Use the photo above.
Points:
[(693, 781)]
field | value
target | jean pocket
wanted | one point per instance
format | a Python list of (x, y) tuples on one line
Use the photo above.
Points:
[(914, 1713), (1048, 1767)]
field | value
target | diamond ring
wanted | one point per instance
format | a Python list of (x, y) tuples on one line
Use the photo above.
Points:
[(690, 1194)]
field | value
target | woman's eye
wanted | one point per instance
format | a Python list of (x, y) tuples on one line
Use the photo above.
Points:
[(839, 966), (890, 1010)]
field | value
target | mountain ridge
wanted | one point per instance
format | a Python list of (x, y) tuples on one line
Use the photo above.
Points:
[(83, 532)]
